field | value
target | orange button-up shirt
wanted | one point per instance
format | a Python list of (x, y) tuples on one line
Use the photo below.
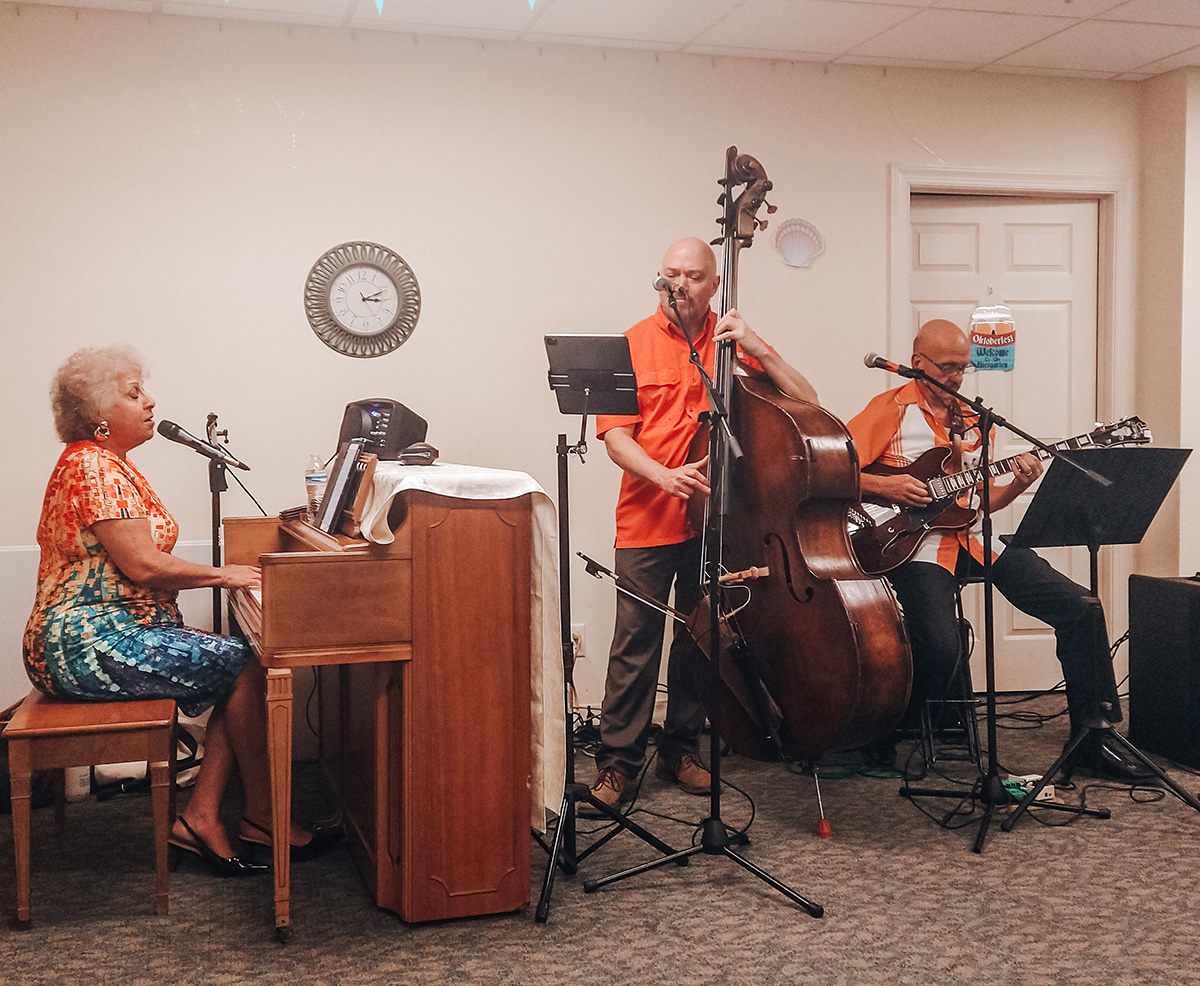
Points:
[(671, 397)]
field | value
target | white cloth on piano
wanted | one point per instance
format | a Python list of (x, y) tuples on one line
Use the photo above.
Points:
[(546, 676)]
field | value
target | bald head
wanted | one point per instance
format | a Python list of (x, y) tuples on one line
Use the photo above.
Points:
[(939, 334), (942, 352), (691, 253)]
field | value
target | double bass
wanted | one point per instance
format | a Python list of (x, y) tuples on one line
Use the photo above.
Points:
[(821, 646)]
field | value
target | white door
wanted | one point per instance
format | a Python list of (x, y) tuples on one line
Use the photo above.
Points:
[(1039, 257)]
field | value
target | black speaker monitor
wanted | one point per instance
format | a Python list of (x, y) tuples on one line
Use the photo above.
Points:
[(1164, 666), (388, 427)]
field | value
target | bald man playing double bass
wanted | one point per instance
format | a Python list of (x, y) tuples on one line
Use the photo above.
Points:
[(894, 430), (655, 546)]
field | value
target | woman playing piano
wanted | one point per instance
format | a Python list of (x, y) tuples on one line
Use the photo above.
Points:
[(105, 625)]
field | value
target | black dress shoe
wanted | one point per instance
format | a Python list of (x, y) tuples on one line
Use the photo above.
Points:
[(1108, 760), (881, 752)]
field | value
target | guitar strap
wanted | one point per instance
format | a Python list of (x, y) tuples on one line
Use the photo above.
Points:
[(958, 428)]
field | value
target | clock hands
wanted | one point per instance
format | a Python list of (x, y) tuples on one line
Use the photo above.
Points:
[(371, 297)]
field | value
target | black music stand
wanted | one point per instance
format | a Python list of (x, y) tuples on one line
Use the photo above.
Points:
[(590, 374), (1070, 509)]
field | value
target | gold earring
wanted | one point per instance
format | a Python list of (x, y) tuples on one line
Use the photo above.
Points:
[(101, 431)]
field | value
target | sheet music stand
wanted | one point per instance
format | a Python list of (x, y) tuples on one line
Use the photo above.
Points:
[(590, 374), (1070, 509)]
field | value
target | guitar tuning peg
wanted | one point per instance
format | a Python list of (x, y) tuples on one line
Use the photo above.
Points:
[(721, 199), (772, 208)]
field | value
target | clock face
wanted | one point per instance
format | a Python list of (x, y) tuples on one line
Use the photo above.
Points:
[(362, 299)]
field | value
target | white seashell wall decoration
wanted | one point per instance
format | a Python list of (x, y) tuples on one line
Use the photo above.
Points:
[(799, 241)]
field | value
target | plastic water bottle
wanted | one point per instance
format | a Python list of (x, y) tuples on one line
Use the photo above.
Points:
[(315, 478)]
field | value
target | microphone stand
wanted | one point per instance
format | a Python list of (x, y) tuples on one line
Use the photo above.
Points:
[(991, 791), (218, 483)]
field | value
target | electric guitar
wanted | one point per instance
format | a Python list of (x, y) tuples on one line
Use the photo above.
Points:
[(884, 535)]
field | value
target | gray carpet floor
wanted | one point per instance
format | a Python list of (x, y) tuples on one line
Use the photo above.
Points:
[(906, 900)]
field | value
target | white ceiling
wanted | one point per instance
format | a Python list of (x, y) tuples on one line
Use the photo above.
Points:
[(1097, 39)]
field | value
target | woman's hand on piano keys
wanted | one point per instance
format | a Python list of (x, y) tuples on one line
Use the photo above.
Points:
[(240, 576)]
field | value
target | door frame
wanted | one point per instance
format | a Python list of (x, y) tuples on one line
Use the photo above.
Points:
[(1115, 298)]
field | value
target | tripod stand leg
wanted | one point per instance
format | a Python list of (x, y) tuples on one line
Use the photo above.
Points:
[(1049, 775), (575, 793), (816, 910), (681, 857), (552, 863), (714, 843), (1141, 758)]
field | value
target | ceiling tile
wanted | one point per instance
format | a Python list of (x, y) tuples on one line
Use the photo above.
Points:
[(1182, 13), (286, 11), (1074, 9), (1182, 60), (815, 26), (956, 33), (486, 15), (139, 6), (1107, 46), (674, 23), (1130, 39)]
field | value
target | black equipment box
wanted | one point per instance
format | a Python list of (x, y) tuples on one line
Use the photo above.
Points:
[(1164, 667)]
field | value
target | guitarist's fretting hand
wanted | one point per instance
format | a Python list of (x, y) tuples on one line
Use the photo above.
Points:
[(1025, 470), (906, 490)]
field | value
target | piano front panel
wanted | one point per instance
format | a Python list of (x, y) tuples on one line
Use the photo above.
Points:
[(472, 619), (423, 648), (363, 600)]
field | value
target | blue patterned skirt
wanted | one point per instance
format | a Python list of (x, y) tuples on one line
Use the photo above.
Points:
[(156, 660)]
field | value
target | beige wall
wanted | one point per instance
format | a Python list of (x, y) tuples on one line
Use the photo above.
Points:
[(169, 182), (1168, 325)]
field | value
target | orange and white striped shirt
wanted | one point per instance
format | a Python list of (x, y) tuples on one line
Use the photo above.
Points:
[(895, 429)]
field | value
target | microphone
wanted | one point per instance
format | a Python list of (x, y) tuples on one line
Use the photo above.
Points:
[(172, 432), (876, 361), (661, 283)]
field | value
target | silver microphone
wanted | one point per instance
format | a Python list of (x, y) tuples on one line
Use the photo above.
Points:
[(876, 361), (661, 283), (171, 431)]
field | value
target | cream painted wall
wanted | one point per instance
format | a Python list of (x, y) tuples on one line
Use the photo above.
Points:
[(169, 182), (1169, 307), (1189, 328)]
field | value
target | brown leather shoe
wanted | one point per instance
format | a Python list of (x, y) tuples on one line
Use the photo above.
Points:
[(610, 786), (686, 770)]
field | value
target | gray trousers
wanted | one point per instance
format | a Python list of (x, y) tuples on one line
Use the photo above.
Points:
[(636, 653)]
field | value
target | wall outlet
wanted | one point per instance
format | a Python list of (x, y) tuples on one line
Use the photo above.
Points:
[(577, 638)]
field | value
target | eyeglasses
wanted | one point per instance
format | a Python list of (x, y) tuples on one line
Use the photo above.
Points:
[(950, 369)]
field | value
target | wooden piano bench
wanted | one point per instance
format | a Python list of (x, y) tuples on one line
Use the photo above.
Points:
[(52, 734)]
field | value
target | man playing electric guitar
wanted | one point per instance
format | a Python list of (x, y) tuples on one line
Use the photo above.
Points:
[(894, 430)]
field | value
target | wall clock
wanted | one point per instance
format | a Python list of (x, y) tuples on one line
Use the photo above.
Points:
[(362, 299)]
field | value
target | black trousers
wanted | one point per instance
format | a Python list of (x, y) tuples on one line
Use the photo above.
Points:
[(636, 654), (926, 594)]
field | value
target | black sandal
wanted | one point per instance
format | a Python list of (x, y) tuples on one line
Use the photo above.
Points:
[(222, 866)]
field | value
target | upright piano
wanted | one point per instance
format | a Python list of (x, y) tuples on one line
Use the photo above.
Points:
[(422, 649)]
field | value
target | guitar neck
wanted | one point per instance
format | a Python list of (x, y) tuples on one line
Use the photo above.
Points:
[(945, 486)]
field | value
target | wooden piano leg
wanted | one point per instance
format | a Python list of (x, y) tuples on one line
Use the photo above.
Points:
[(279, 748)]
